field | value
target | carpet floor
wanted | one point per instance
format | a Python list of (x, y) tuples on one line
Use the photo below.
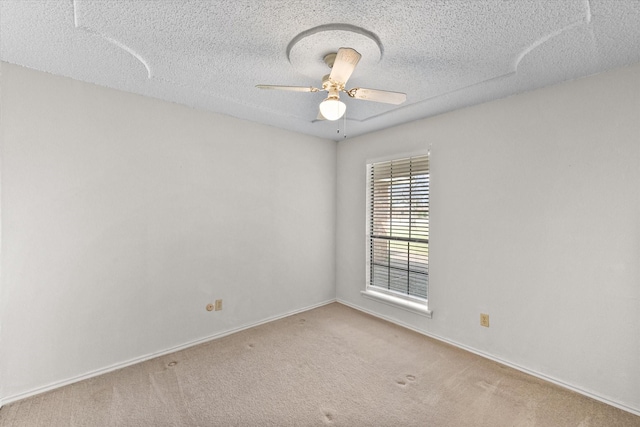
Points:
[(329, 366)]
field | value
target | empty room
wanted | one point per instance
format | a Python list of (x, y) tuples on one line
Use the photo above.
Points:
[(300, 213)]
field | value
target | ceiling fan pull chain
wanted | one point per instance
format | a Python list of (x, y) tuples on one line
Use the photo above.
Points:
[(344, 126)]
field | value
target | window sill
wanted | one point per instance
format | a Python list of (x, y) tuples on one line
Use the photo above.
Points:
[(404, 304)]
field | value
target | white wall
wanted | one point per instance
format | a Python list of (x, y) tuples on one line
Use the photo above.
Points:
[(123, 216), (535, 214)]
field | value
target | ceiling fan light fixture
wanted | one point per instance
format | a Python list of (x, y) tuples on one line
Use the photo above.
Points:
[(342, 64), (332, 108)]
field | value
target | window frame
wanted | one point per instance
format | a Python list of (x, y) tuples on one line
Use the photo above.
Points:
[(389, 297)]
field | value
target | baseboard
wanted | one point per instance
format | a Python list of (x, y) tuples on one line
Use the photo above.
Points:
[(10, 399), (540, 375)]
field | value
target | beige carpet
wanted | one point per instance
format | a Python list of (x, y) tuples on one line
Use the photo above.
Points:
[(328, 366)]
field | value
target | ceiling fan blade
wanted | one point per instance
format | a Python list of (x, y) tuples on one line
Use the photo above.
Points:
[(320, 116), (344, 64), (290, 88), (377, 95)]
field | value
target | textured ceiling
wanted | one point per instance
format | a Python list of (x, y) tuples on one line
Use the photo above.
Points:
[(210, 54)]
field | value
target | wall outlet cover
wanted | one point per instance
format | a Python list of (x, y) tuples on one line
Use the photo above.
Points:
[(484, 320)]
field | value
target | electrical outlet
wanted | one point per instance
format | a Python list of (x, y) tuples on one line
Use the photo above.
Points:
[(218, 304), (484, 320)]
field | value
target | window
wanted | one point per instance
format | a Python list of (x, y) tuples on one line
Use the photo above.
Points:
[(398, 229)]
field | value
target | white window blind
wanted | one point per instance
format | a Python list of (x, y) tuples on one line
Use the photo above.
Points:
[(399, 227)]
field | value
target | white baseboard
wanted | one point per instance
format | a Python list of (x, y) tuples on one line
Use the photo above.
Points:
[(116, 366), (635, 411)]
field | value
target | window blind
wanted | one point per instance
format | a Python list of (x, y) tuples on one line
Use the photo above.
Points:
[(399, 226)]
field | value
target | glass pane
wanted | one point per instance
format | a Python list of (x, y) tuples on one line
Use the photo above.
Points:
[(400, 219)]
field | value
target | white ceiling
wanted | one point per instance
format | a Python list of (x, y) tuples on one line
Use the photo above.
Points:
[(210, 54)]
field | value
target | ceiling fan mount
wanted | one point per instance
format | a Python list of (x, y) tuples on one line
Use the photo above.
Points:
[(330, 58), (342, 64)]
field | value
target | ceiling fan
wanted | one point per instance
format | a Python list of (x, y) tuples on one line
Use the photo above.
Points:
[(342, 65)]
